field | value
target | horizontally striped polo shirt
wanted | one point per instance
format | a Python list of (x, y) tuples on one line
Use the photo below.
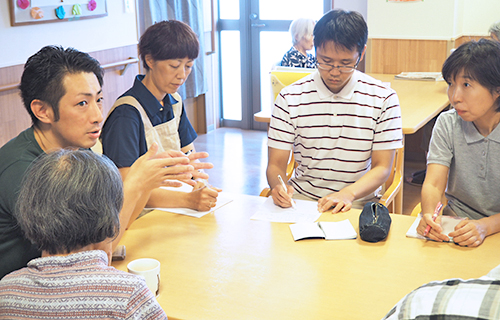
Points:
[(333, 135)]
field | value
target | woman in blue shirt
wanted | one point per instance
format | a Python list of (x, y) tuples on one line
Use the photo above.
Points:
[(301, 31)]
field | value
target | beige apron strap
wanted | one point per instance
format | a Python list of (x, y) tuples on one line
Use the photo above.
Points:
[(177, 108), (134, 103), (145, 120)]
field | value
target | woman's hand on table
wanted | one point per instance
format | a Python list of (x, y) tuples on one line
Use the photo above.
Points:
[(203, 196), (469, 233), (435, 233)]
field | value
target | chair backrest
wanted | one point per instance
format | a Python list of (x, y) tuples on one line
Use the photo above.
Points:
[(394, 183), (281, 78)]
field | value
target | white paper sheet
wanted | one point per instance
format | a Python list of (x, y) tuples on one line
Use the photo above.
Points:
[(447, 223), (222, 200), (307, 211), (328, 230), (338, 230)]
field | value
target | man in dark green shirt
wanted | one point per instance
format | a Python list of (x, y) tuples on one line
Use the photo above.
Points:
[(16, 156), (61, 90)]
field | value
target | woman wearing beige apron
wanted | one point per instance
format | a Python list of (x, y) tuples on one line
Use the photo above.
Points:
[(152, 111)]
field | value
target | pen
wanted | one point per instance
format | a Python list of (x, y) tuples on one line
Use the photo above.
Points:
[(434, 217), (283, 185)]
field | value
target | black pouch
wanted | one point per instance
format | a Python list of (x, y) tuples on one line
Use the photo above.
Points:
[(374, 222)]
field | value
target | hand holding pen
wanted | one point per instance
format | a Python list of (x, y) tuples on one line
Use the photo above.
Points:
[(434, 217), (285, 189)]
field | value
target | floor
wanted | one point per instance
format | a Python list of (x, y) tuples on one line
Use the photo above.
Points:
[(240, 160)]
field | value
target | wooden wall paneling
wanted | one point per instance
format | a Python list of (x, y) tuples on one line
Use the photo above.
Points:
[(13, 116), (114, 83), (464, 39), (368, 56), (392, 56)]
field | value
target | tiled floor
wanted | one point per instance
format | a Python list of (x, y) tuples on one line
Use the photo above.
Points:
[(240, 160)]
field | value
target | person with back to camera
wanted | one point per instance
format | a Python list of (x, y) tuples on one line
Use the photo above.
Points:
[(69, 207), (61, 90), (301, 31), (464, 155), (152, 111), (452, 299), (342, 125)]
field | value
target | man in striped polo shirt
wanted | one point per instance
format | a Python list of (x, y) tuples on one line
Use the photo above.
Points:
[(342, 125)]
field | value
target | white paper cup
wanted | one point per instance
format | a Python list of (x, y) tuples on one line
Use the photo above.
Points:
[(149, 269)]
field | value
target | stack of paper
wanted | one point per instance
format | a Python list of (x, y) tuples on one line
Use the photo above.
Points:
[(429, 76)]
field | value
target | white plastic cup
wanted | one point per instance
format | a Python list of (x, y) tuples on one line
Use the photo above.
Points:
[(149, 269)]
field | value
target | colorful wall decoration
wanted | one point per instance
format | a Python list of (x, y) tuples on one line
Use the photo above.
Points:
[(25, 12)]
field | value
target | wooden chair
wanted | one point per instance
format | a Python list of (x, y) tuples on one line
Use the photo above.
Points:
[(392, 186), (280, 79), (394, 183), (283, 78)]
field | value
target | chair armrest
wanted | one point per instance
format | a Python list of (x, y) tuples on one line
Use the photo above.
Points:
[(266, 192), (393, 189), (416, 210)]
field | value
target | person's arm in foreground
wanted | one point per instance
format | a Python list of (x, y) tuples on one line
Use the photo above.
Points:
[(378, 174), (149, 172), (201, 184), (276, 165), (436, 178), (160, 198), (469, 233)]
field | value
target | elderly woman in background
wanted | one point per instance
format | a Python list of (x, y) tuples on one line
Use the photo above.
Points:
[(495, 31), (301, 31), (69, 206)]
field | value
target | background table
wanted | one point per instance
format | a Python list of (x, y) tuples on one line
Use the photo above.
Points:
[(420, 101), (226, 266)]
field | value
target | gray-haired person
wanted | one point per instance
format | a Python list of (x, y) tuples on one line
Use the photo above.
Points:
[(69, 206), (301, 31), (62, 92), (495, 31)]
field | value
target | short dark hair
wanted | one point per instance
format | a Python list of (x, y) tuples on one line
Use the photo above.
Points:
[(44, 73), (479, 60), (167, 40), (346, 28), (70, 199)]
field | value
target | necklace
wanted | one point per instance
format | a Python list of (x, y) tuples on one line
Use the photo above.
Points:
[(39, 139)]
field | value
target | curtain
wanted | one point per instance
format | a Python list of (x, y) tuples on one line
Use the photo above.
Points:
[(190, 12)]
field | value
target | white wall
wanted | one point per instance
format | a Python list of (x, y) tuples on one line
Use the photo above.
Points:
[(431, 19), (18, 43), (479, 15)]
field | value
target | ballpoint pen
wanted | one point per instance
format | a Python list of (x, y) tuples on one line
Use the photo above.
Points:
[(434, 217), (283, 185)]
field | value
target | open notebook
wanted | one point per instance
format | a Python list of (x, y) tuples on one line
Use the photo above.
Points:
[(323, 230), (448, 224)]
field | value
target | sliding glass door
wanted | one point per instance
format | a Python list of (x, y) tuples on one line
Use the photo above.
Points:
[(253, 37)]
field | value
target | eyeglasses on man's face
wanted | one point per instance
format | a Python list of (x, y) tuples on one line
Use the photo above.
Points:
[(342, 69)]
